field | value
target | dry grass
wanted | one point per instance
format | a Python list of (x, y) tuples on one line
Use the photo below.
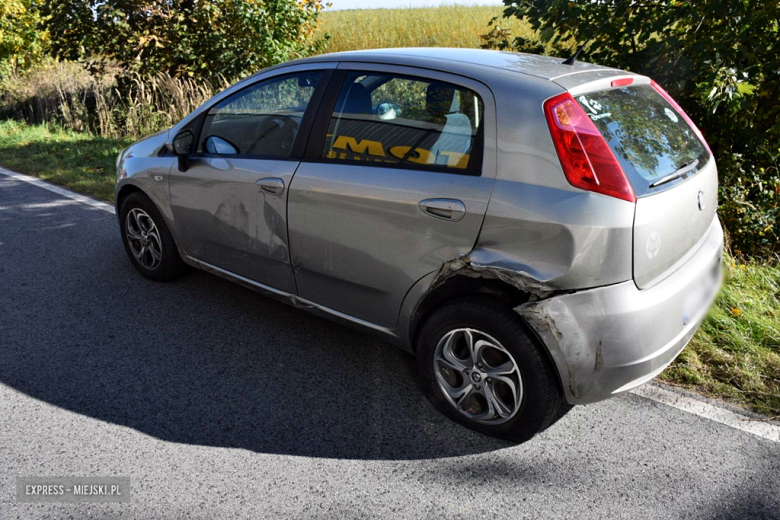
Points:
[(67, 95), (446, 26)]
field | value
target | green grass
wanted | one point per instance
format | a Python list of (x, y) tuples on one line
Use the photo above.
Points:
[(446, 26), (735, 355), (81, 162)]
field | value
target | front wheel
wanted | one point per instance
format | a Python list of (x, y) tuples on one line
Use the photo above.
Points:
[(482, 368), (147, 240)]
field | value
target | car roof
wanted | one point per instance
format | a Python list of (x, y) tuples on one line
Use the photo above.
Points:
[(477, 61)]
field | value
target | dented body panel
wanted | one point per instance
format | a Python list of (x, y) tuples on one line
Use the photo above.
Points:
[(140, 166), (561, 239), (224, 218), (358, 237), (351, 242), (611, 339)]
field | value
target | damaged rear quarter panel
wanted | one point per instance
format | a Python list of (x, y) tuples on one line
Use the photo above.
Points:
[(576, 358), (565, 239), (551, 244)]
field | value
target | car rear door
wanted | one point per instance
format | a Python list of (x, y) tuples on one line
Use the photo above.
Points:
[(395, 182), (230, 205)]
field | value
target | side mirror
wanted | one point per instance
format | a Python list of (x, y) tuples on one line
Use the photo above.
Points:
[(182, 147)]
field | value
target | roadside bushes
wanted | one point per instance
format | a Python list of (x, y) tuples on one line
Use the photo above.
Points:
[(132, 67), (183, 38), (719, 60)]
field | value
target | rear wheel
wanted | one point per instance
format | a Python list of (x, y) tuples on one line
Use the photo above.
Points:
[(147, 240), (482, 368)]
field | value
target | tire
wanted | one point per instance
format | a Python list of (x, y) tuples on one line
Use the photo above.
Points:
[(501, 337), (144, 231)]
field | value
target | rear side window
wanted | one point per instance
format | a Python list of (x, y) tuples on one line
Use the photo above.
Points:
[(405, 121), (649, 138)]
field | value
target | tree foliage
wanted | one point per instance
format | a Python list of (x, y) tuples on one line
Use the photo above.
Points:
[(195, 38), (720, 60), (21, 40)]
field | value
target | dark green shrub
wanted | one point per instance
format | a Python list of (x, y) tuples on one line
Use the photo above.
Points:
[(720, 60), (184, 38)]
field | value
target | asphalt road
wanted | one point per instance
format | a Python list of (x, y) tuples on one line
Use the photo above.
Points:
[(220, 403)]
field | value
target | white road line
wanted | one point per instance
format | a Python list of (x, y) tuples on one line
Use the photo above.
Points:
[(653, 392), (709, 411), (59, 191)]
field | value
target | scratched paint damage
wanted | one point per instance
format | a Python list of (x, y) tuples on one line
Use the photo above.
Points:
[(482, 264), (553, 321), (545, 312)]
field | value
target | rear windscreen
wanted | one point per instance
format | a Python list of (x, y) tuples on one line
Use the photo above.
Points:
[(649, 138)]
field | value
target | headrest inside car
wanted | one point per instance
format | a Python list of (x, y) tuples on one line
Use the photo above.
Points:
[(438, 99)]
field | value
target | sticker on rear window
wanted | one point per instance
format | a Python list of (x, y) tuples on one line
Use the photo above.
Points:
[(594, 107), (670, 114)]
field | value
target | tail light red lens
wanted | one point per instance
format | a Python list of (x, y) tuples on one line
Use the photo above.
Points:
[(587, 161), (679, 109)]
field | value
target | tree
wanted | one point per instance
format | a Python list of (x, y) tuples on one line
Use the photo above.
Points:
[(720, 60), (21, 40), (195, 38)]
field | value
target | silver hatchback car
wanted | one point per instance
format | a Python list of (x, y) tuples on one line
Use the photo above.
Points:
[(539, 234)]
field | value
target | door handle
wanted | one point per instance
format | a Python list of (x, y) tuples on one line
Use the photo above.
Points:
[(272, 185), (445, 209)]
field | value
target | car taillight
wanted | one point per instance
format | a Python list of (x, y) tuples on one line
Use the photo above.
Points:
[(679, 110), (587, 161)]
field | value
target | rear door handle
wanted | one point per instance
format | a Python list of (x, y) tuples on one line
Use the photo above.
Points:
[(272, 185), (444, 209)]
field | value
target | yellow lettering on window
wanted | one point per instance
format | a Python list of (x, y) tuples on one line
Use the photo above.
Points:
[(423, 156), (364, 146), (456, 159)]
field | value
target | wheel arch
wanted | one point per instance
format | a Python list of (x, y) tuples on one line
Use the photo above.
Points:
[(462, 287), (123, 193)]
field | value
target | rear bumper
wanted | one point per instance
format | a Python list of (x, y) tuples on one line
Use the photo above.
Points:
[(611, 339)]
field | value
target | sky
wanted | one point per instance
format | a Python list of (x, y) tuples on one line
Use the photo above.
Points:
[(368, 4)]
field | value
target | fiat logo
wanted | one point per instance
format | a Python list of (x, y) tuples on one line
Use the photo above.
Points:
[(702, 203), (653, 245)]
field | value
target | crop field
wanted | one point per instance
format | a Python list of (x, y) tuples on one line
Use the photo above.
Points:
[(447, 26)]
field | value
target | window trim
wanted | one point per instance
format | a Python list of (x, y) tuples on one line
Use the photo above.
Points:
[(304, 130), (316, 144)]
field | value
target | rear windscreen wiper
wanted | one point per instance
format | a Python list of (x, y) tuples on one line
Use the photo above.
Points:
[(682, 170)]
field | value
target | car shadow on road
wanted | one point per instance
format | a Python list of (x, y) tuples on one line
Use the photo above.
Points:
[(203, 361)]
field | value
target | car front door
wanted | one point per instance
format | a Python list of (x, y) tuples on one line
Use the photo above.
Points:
[(396, 181), (230, 205)]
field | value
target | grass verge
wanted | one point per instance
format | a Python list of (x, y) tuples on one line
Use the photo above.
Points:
[(735, 355), (81, 162)]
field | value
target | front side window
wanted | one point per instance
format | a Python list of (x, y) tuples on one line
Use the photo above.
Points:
[(260, 120), (401, 120)]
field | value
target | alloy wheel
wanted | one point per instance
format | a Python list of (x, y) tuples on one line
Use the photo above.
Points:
[(478, 376), (143, 238)]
